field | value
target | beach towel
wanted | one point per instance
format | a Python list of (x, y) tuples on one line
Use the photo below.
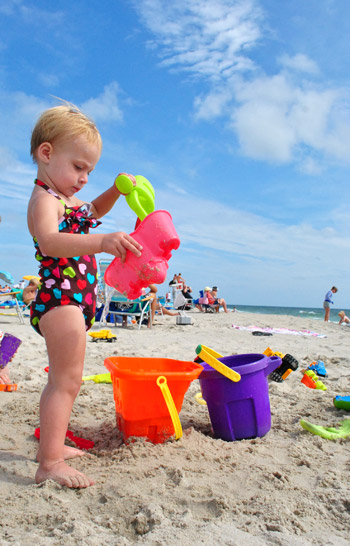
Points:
[(278, 331)]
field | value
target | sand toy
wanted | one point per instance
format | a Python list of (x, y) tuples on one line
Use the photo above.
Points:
[(139, 196), (144, 407), (319, 368), (99, 378), (238, 409), (330, 433), (310, 379), (103, 335), (342, 402), (81, 443), (158, 237), (289, 364)]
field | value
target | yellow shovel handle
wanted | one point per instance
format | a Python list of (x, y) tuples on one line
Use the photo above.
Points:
[(162, 384), (199, 399), (211, 357)]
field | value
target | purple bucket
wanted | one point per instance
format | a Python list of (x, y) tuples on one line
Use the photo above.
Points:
[(239, 410), (8, 347)]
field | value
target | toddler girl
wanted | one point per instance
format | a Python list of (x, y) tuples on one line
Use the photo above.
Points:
[(66, 146)]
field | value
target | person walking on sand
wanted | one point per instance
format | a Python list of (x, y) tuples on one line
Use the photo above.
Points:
[(327, 302), (66, 147)]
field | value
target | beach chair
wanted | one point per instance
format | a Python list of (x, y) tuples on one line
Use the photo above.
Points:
[(204, 303), (116, 304), (11, 305)]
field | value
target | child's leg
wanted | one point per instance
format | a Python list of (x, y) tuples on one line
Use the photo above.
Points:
[(65, 336)]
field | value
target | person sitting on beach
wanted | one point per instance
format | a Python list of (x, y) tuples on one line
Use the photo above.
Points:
[(343, 318), (156, 306), (187, 294), (220, 301), (327, 302), (208, 302), (29, 292), (66, 146), (5, 289)]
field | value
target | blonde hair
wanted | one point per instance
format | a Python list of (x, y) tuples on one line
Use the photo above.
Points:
[(341, 314), (34, 282), (61, 121)]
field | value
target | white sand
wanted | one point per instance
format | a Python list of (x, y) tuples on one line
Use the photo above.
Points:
[(288, 488)]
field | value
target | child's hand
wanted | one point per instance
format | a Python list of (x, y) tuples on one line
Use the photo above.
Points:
[(118, 243)]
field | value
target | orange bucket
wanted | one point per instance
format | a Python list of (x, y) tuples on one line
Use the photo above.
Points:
[(141, 409)]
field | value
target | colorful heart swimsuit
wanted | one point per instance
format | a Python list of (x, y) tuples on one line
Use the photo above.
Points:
[(67, 281)]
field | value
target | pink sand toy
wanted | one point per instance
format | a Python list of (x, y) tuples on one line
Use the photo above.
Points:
[(158, 237)]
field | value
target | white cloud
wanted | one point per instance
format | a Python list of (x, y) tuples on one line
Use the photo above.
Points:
[(49, 80), (212, 105), (300, 63), (106, 106), (206, 38), (283, 117), (277, 120)]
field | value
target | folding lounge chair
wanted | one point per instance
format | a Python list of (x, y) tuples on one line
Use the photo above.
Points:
[(117, 304), (204, 303), (12, 305)]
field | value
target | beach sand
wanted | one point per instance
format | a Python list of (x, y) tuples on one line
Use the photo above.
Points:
[(287, 488)]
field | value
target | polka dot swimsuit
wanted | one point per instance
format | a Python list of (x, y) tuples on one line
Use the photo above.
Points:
[(67, 281)]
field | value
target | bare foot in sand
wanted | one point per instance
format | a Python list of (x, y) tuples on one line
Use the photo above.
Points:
[(63, 474), (68, 453)]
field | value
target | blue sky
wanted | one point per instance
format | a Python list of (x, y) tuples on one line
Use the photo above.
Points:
[(238, 112)]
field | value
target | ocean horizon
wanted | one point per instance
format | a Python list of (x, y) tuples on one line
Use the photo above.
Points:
[(316, 313)]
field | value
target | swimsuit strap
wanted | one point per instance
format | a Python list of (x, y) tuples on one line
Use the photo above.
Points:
[(49, 190)]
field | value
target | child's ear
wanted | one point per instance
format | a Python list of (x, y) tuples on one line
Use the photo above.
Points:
[(44, 152)]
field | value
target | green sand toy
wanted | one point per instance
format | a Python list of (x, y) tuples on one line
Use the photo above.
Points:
[(342, 402), (99, 378), (139, 197), (329, 433)]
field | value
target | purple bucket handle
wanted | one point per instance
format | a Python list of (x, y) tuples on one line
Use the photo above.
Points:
[(273, 362)]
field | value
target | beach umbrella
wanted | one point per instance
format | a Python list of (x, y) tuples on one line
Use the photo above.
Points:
[(29, 277), (7, 277)]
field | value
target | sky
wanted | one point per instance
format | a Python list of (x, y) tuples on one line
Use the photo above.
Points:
[(236, 111)]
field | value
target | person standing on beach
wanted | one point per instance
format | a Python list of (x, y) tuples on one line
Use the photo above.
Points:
[(66, 147), (327, 302)]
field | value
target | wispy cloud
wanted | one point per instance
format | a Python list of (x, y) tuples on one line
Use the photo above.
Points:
[(105, 107), (278, 117), (205, 38)]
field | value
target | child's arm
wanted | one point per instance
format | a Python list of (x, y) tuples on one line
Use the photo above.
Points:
[(104, 202), (43, 215)]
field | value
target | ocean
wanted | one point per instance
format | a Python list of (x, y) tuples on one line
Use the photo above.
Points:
[(316, 313)]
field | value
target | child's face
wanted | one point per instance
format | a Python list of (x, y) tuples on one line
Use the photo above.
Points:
[(70, 164)]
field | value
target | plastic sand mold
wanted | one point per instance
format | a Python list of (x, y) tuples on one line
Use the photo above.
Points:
[(81, 443), (330, 433)]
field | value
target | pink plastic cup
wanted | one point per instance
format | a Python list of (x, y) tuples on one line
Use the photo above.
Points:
[(158, 237)]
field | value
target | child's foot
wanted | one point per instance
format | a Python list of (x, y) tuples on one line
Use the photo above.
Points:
[(63, 474), (68, 453), (4, 376)]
